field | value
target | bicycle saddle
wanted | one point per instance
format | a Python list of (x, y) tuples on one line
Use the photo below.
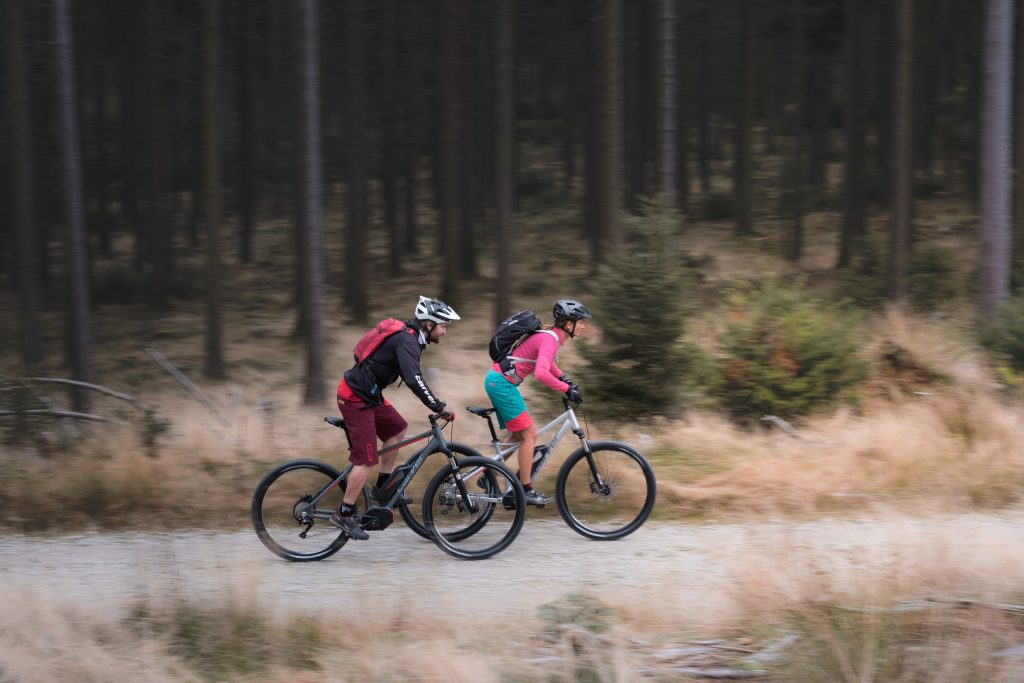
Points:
[(335, 421), (482, 412)]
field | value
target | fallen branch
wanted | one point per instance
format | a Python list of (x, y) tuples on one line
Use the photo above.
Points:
[(185, 382), (58, 413), (87, 385), (781, 424)]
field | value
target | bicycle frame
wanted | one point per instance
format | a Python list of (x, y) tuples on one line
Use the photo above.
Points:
[(565, 422), (437, 442)]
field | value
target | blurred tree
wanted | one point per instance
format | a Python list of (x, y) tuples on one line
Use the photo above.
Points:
[(743, 174), (1018, 150), (154, 234), (312, 227), (249, 146), (504, 173), (703, 95), (26, 265), (902, 215), (605, 188), (668, 143), (212, 178), (358, 215), (77, 248), (854, 196), (389, 97), (995, 158), (469, 185), (792, 181), (448, 153)]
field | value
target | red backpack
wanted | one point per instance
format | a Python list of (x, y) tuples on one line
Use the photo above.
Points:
[(375, 337)]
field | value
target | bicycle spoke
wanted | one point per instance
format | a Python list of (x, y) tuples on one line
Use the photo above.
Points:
[(607, 495), (479, 517), (287, 520)]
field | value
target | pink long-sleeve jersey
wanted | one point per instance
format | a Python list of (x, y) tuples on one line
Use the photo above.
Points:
[(539, 351)]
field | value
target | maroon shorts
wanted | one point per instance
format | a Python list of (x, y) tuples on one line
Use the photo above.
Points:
[(365, 425)]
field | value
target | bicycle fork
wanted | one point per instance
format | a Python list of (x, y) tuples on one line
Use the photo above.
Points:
[(463, 499), (597, 484)]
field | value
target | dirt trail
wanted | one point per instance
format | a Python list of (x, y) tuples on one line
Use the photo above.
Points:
[(694, 565)]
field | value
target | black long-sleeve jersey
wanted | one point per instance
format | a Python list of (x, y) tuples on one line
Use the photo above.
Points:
[(397, 356)]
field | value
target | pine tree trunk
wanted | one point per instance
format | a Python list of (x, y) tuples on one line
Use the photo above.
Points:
[(794, 178), (995, 169), (26, 265), (899, 240), (503, 155), (1017, 266), (608, 169), (669, 103), (80, 343), (356, 191), (292, 81), (389, 142), (468, 189), (856, 95), (744, 172), (312, 229), (448, 154), (213, 166), (248, 145), (703, 98)]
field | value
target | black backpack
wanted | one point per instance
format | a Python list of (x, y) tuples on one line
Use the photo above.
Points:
[(512, 331)]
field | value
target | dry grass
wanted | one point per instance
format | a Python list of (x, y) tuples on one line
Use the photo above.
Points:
[(934, 432)]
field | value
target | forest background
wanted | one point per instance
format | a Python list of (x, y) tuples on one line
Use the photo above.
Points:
[(810, 211)]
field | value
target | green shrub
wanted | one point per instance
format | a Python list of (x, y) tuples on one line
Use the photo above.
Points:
[(640, 297), (1005, 338), (931, 276), (784, 353)]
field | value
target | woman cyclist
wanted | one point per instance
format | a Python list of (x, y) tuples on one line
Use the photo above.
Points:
[(535, 356)]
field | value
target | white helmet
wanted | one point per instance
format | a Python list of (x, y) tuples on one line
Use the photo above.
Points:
[(435, 310)]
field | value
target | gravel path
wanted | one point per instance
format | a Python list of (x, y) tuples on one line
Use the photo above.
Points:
[(692, 564)]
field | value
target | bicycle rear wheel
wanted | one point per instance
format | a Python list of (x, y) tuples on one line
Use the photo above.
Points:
[(285, 518), (474, 519), (412, 513), (607, 494)]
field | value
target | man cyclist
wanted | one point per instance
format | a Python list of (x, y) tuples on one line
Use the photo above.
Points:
[(535, 356), (369, 416)]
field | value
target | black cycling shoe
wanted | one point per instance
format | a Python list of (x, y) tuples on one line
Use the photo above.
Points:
[(349, 526)]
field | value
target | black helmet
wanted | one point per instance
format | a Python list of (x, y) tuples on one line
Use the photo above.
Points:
[(569, 309), (435, 310)]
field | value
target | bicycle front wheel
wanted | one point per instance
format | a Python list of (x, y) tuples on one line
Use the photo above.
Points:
[(412, 513), (285, 517), (475, 509), (607, 493)]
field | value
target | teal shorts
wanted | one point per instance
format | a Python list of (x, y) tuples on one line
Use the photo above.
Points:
[(508, 403)]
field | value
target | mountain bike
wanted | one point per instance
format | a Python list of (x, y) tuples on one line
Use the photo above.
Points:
[(605, 490), (292, 503)]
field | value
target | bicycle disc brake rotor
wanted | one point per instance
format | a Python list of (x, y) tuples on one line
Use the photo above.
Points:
[(303, 510)]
